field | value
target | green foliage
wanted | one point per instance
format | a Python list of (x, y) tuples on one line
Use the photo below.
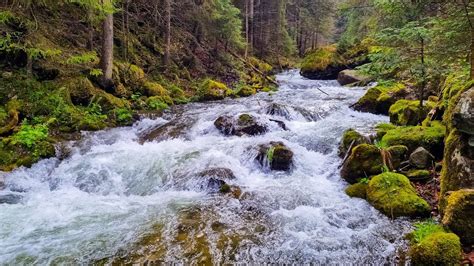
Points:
[(123, 115), (85, 58), (424, 229), (30, 135), (320, 59), (157, 103), (224, 22)]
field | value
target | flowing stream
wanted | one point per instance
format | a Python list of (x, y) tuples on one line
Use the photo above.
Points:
[(118, 198)]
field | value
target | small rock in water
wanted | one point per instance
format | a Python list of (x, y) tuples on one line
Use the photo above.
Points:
[(280, 124), (277, 155), (278, 110), (10, 198), (245, 124), (421, 158), (2, 181), (223, 173)]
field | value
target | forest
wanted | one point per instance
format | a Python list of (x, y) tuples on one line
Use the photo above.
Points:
[(210, 132)]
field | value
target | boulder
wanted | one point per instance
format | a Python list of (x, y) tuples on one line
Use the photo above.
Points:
[(278, 110), (459, 214), (463, 114), (211, 90), (215, 179), (10, 198), (2, 182), (364, 161), (246, 91), (324, 63), (418, 175), (421, 158), (351, 138), (439, 248), (218, 172), (393, 195), (378, 99), (429, 137), (276, 156), (358, 190), (408, 112), (245, 124), (458, 165), (350, 76)]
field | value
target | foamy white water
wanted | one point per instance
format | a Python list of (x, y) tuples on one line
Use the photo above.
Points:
[(112, 190)]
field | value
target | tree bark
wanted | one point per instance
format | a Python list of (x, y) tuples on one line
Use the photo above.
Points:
[(472, 53), (107, 57), (247, 37), (167, 32)]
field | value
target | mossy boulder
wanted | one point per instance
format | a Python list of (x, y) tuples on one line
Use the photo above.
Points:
[(83, 92), (459, 213), (246, 91), (244, 124), (9, 117), (409, 113), (352, 77), (418, 175), (393, 195), (275, 155), (324, 63), (351, 138), (382, 129), (365, 160), (358, 190), (132, 76), (439, 248), (431, 138), (211, 90), (378, 99)]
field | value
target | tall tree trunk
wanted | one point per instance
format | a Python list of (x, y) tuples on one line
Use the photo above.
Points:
[(247, 30), (167, 32), (107, 57), (472, 53), (251, 24)]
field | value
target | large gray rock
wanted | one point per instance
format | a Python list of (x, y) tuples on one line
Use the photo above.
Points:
[(463, 116), (421, 158), (350, 76)]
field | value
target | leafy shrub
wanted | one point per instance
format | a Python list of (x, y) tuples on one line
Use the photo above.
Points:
[(30, 135)]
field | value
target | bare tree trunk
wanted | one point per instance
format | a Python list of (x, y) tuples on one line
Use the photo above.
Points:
[(167, 31), (107, 57), (472, 53), (247, 37)]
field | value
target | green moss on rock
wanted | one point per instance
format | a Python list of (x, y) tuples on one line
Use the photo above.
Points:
[(459, 213), (365, 160), (358, 190), (409, 113), (418, 175), (431, 138), (351, 137), (437, 249), (320, 59), (393, 195), (382, 129), (246, 91), (211, 90), (378, 99)]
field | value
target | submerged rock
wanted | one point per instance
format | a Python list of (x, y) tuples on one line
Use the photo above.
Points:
[(439, 248), (10, 198), (278, 110), (222, 173), (393, 195), (245, 124), (459, 214), (276, 155)]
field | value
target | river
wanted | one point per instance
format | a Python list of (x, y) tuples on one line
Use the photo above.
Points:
[(117, 199)]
